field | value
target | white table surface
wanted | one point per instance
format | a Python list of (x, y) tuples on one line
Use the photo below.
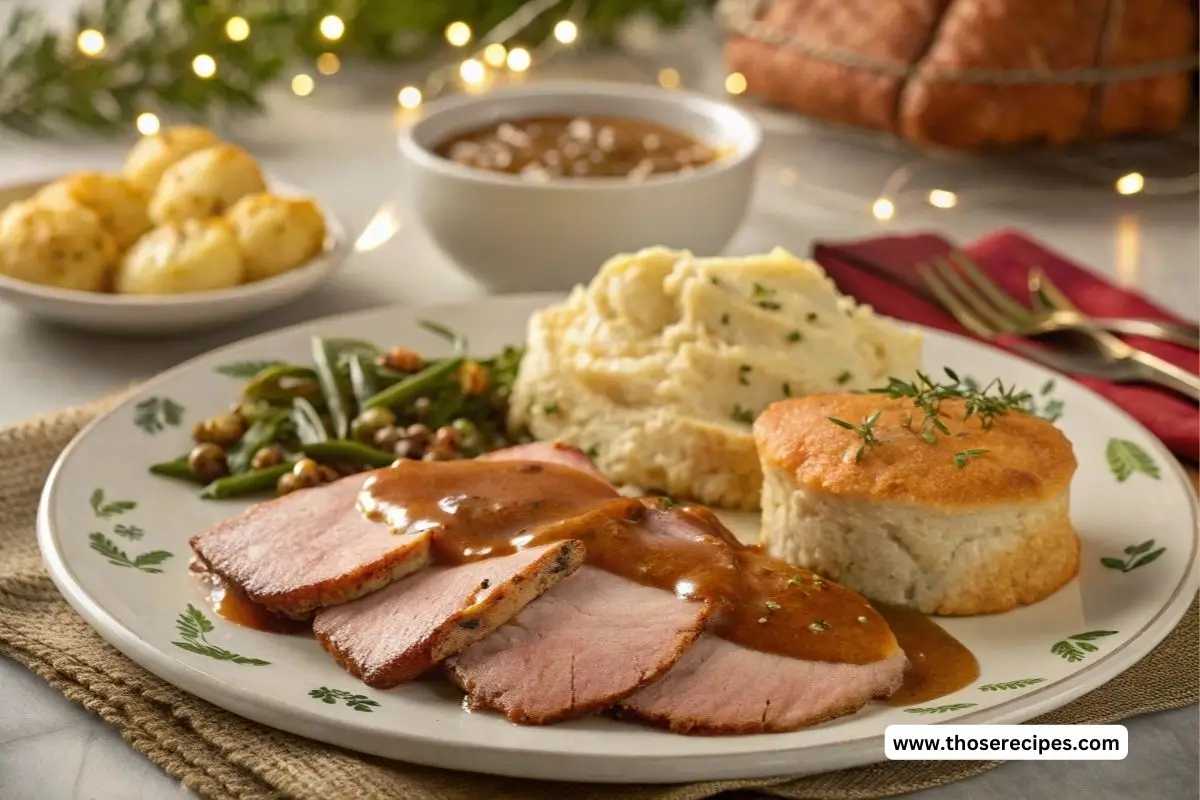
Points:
[(339, 143)]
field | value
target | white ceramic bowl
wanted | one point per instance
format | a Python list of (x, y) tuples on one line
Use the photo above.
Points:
[(515, 235), (161, 315)]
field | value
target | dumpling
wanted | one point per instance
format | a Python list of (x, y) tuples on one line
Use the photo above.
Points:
[(205, 184), (63, 246), (276, 234), (150, 157), (193, 255), (120, 206)]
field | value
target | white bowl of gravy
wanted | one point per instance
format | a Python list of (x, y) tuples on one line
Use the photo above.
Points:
[(534, 187)]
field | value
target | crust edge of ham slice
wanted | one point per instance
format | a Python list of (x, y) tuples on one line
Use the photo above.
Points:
[(492, 607), (525, 633), (549, 452), (715, 674)]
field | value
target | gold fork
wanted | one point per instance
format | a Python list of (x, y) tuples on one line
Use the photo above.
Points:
[(1050, 300), (987, 311)]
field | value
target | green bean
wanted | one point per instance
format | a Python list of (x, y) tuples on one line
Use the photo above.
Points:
[(270, 383), (175, 469), (348, 450), (262, 432), (340, 349), (386, 376), (415, 385), (362, 381), (457, 339), (252, 482), (331, 387), (309, 426), (447, 404)]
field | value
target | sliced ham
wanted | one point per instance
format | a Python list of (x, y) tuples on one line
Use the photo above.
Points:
[(310, 549), (549, 452), (722, 688), (582, 646), (399, 632)]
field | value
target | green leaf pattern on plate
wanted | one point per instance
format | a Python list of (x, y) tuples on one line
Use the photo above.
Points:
[(939, 709), (155, 414), (192, 626), (146, 562), (1008, 686), (103, 508), (1136, 555), (1075, 648), (358, 702), (1126, 458)]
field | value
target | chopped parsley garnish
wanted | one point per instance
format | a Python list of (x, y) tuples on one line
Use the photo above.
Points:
[(715, 281), (843, 378), (787, 389), (743, 371), (794, 336), (743, 415), (725, 318), (762, 291), (592, 452), (551, 408), (769, 305), (811, 316)]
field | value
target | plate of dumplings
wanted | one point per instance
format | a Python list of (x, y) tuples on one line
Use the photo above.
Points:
[(189, 234)]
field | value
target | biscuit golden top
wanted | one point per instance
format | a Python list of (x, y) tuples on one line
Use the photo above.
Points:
[(1018, 458)]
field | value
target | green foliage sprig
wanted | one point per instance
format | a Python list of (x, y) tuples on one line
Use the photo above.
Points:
[(149, 45)]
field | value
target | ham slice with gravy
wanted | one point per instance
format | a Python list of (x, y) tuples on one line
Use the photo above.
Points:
[(585, 644), (310, 549), (398, 633)]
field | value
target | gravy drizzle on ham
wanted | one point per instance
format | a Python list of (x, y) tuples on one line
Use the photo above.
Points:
[(473, 510)]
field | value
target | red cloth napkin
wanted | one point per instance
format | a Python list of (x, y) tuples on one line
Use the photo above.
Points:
[(1006, 257)]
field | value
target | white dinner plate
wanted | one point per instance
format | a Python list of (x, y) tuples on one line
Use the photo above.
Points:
[(1131, 502)]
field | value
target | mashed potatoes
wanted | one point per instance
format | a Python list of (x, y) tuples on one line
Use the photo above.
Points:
[(660, 365)]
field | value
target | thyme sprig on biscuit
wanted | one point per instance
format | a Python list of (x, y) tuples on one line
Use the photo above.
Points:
[(865, 429), (984, 403)]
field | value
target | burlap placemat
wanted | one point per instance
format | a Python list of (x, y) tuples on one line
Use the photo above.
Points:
[(228, 758)]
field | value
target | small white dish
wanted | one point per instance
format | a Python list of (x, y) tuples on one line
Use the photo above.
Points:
[(161, 315), (115, 540), (516, 235)]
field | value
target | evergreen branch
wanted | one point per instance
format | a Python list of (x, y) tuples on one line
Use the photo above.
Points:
[(149, 45)]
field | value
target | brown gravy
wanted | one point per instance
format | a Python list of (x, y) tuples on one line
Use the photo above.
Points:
[(479, 509), (940, 664), (231, 603), (475, 510), (541, 148)]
